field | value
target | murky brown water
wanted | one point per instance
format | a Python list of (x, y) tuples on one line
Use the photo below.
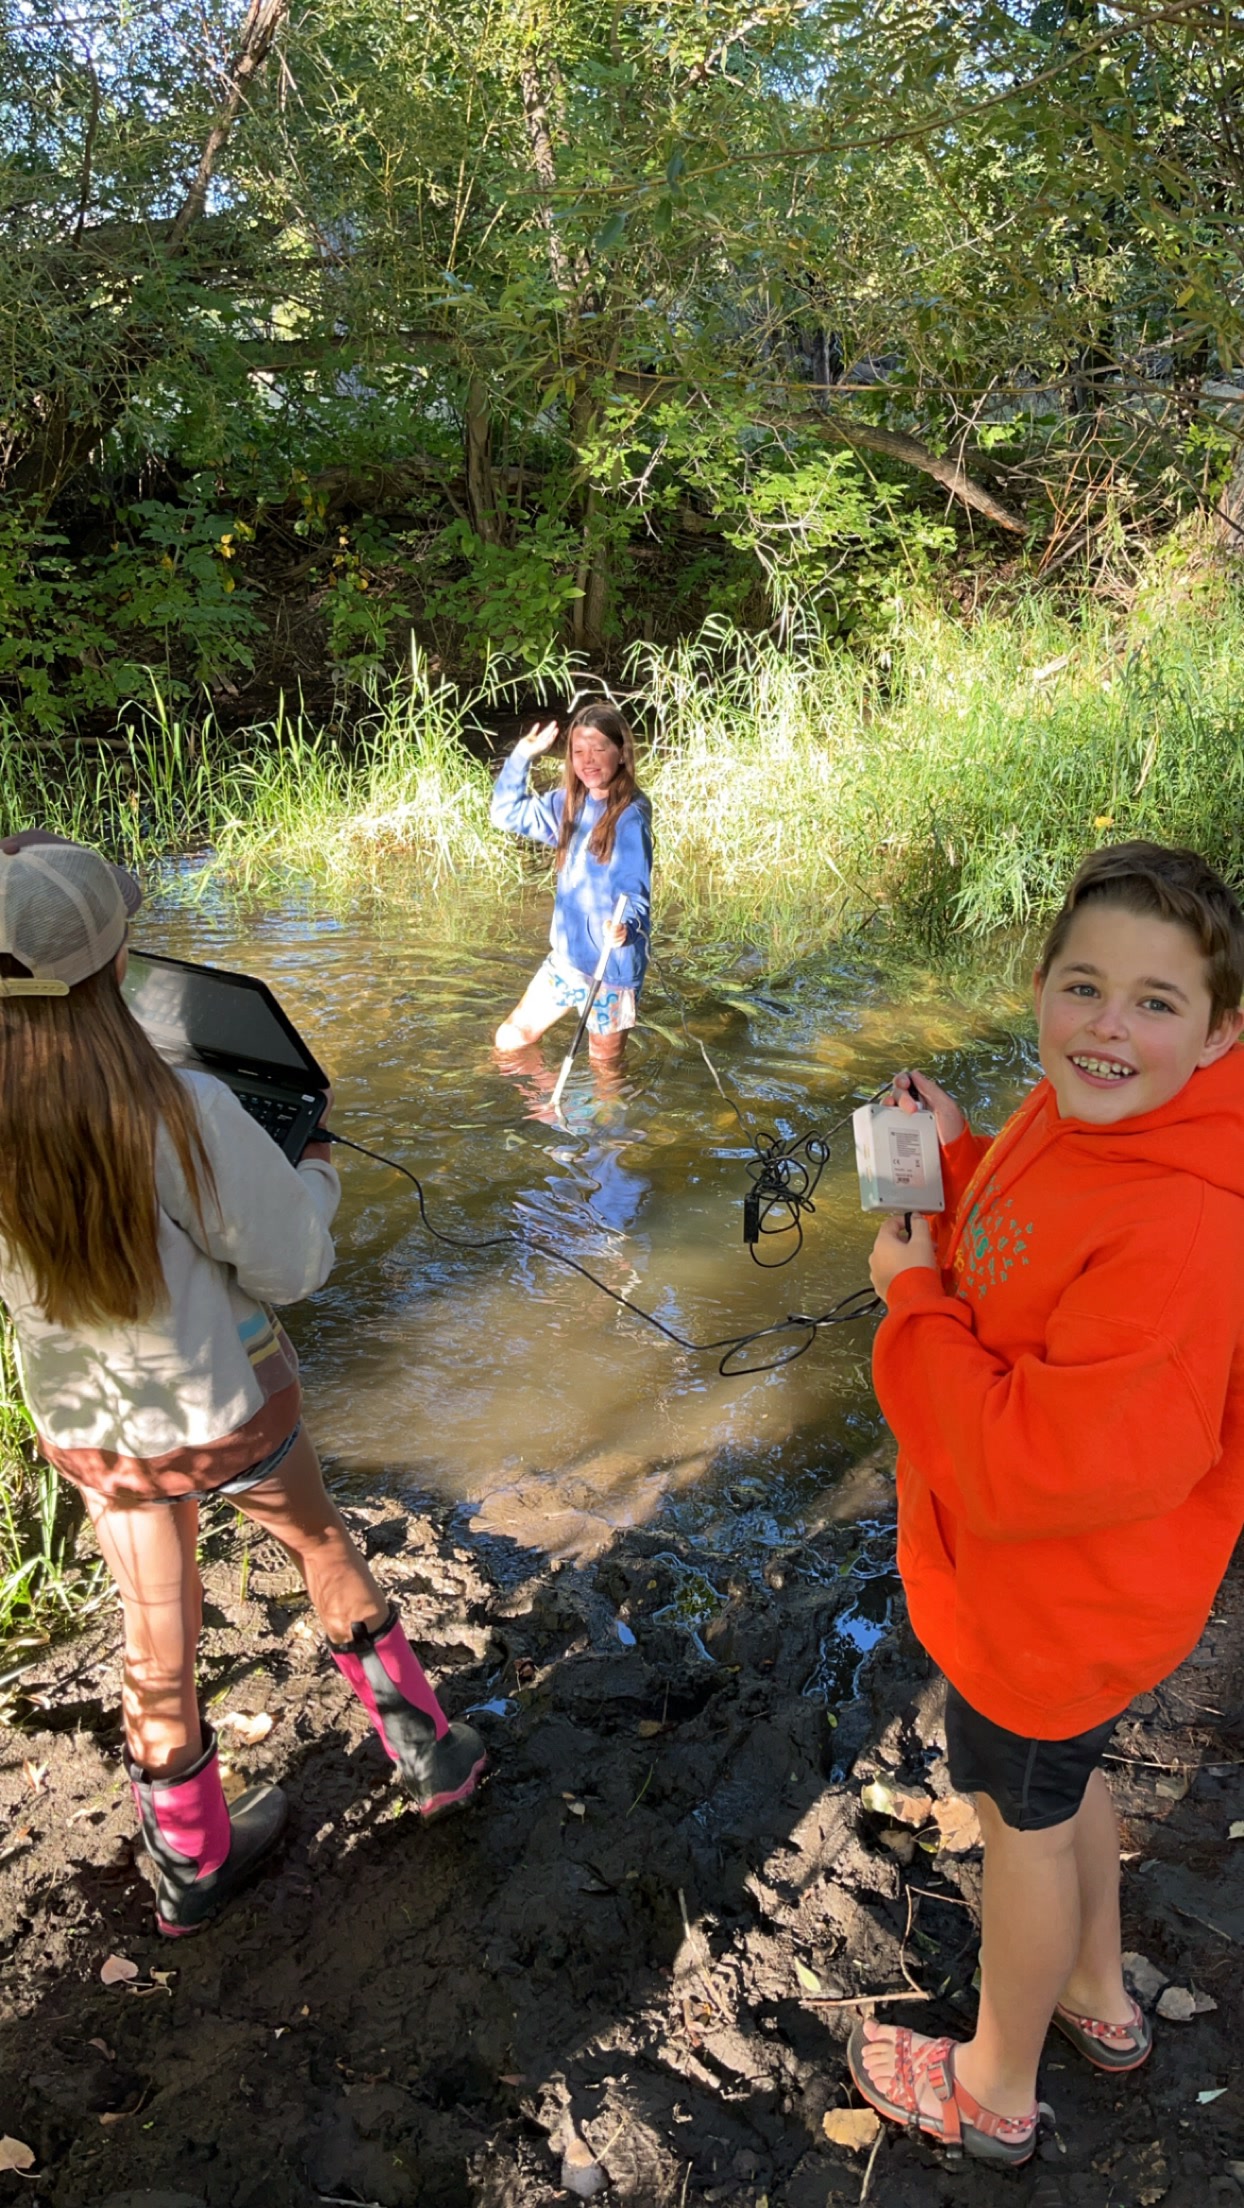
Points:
[(502, 1380)]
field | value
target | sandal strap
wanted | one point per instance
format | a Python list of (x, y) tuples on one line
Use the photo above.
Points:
[(934, 2060), (941, 2075), (911, 2063), (1094, 2027), (1013, 2129)]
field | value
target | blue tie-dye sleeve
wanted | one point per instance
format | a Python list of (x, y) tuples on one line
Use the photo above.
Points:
[(517, 807)]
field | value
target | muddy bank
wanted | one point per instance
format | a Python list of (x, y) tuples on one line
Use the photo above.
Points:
[(638, 1934)]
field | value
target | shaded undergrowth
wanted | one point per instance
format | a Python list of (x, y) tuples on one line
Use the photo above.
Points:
[(945, 782)]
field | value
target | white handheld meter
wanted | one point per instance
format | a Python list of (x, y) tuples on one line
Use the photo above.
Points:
[(897, 1159)]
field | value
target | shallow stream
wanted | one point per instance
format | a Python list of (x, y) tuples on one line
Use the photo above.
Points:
[(501, 1379)]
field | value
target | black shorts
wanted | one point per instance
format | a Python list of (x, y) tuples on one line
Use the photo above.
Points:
[(1031, 1783)]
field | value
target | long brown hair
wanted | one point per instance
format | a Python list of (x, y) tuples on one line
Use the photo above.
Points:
[(83, 1094), (606, 720)]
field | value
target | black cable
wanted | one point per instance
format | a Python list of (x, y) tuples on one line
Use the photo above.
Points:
[(783, 1174), (860, 1304)]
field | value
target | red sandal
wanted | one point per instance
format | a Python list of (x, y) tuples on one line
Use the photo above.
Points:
[(1107, 2046), (961, 2125)]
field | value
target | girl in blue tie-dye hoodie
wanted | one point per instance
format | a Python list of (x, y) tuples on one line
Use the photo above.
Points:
[(600, 825)]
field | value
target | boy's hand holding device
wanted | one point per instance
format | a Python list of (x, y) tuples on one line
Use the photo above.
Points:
[(898, 1248), (909, 1090)]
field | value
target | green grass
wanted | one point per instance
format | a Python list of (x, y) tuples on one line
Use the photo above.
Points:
[(947, 781), (282, 799), (949, 785), (43, 1588)]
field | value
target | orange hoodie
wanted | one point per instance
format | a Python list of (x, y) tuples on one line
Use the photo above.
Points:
[(1068, 1397)]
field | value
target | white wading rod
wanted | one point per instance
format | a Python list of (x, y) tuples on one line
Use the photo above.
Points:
[(618, 915)]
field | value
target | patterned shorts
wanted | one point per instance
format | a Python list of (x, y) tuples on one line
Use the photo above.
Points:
[(613, 1011)]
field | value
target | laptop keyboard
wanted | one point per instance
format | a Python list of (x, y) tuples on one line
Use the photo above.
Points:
[(276, 1114)]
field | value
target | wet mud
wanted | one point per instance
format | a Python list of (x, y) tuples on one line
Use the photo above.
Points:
[(633, 1967)]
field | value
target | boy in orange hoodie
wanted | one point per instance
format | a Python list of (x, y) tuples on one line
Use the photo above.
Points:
[(1064, 1372)]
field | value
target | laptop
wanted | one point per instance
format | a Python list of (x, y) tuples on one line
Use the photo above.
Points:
[(232, 1026)]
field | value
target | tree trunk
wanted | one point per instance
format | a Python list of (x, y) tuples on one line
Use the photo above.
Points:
[(533, 79), (1229, 512), (486, 517), (593, 576)]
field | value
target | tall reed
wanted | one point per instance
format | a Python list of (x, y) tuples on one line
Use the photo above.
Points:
[(948, 780)]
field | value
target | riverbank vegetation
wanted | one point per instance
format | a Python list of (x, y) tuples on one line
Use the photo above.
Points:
[(942, 781), (547, 332), (44, 1586)]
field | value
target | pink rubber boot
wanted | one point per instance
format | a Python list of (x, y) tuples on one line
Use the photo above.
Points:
[(439, 1764), (202, 1849)]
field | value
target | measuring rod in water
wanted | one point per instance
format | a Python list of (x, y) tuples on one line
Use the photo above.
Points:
[(616, 918)]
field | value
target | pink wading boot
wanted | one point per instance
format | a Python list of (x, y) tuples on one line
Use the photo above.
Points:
[(439, 1764), (202, 1849)]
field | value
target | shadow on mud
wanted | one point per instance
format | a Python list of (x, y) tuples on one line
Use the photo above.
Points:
[(640, 1951)]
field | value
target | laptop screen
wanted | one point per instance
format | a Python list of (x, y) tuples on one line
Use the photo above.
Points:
[(230, 1020)]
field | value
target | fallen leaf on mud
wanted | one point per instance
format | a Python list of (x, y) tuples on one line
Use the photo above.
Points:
[(1146, 1979), (118, 1970), (957, 1824), (108, 2053), (649, 1727), (851, 2127), (511, 2077), (1179, 2004), (20, 1839), (1236, 1831), (162, 1977), (577, 1809), (35, 1775), (249, 1727), (1211, 2093), (909, 1805), (1174, 1786), (15, 2154), (807, 1978)]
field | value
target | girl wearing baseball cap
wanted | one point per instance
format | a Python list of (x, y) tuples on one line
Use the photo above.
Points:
[(146, 1224)]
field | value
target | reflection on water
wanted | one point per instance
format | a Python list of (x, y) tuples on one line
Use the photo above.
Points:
[(501, 1379)]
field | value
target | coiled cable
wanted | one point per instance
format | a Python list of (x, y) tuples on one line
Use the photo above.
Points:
[(859, 1304)]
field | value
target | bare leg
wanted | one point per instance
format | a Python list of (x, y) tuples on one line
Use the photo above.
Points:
[(607, 1051), (295, 1508), (1030, 1932), (1094, 1985), (535, 1013), (1044, 1904), (150, 1550)]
